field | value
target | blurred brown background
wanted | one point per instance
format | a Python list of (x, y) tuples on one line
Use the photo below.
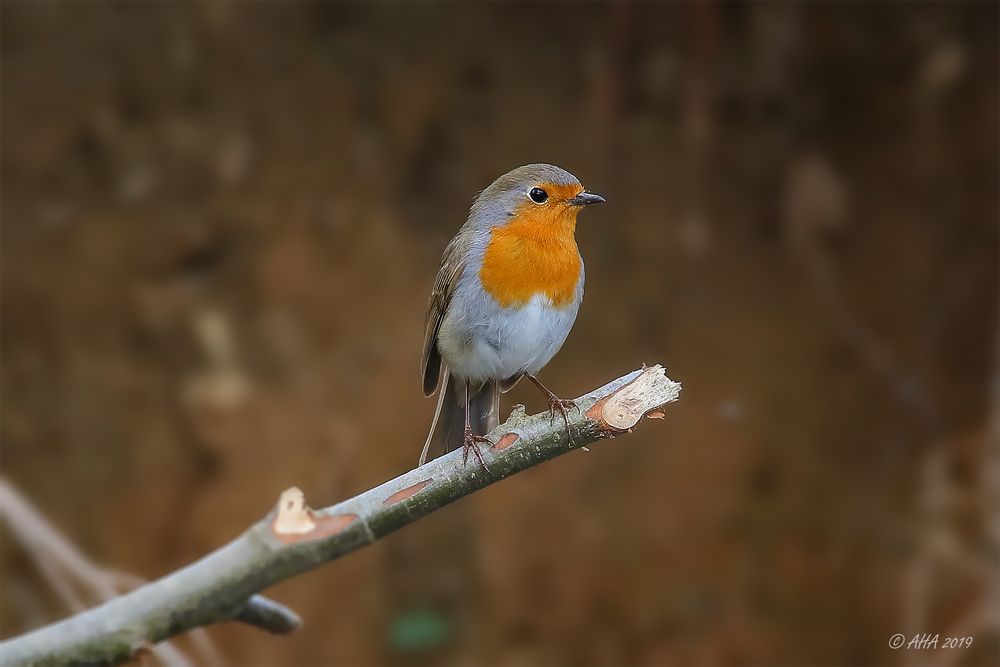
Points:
[(221, 222)]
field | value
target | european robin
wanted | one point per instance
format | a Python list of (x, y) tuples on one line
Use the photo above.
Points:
[(505, 298)]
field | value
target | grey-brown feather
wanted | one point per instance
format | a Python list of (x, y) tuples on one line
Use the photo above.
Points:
[(449, 423), (452, 265), (509, 383)]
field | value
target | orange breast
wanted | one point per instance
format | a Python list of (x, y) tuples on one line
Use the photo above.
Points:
[(535, 253)]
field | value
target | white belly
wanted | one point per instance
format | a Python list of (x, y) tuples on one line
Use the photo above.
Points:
[(493, 343)]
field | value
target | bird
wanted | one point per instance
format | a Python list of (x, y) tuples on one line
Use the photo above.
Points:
[(506, 295)]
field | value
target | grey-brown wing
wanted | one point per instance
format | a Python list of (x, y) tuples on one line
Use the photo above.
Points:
[(452, 265)]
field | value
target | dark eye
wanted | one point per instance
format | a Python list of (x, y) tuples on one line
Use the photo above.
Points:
[(538, 195)]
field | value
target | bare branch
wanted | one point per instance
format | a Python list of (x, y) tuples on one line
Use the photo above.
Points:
[(293, 538), (66, 570)]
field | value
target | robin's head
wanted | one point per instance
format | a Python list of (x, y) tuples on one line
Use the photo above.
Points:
[(530, 214), (535, 196)]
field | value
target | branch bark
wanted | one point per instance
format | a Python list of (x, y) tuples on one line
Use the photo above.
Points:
[(293, 538)]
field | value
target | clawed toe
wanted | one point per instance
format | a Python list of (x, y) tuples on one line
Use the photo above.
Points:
[(472, 442), (563, 405)]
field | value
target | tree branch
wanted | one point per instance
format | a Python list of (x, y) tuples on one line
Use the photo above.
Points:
[(293, 538)]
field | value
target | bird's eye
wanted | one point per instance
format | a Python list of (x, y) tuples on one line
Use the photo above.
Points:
[(538, 195)]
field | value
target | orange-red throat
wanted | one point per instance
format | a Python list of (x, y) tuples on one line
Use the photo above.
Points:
[(535, 252)]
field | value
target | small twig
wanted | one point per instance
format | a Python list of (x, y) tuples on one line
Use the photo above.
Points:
[(293, 538), (269, 615)]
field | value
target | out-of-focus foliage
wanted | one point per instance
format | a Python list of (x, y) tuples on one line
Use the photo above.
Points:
[(221, 222)]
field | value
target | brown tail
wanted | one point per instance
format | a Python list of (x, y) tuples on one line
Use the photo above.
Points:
[(448, 428)]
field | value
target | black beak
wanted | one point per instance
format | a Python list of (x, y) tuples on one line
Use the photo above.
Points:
[(586, 199)]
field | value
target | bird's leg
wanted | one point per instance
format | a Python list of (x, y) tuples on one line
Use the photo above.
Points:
[(555, 403), (472, 440)]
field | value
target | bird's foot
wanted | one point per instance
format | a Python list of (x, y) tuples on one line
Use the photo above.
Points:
[(471, 444), (563, 406)]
